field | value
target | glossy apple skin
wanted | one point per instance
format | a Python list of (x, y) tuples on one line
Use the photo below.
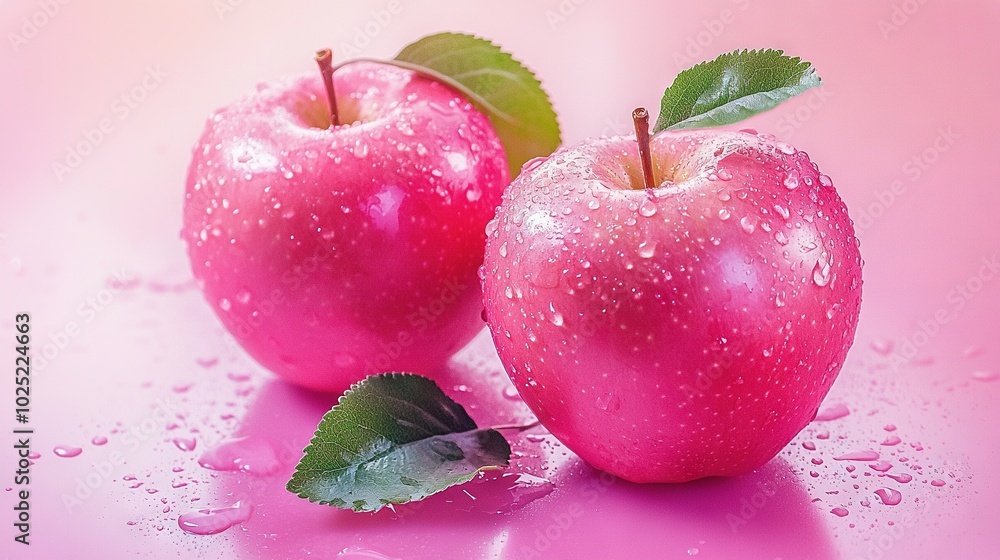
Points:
[(334, 254), (679, 332)]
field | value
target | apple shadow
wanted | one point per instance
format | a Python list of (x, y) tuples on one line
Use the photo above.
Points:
[(765, 514)]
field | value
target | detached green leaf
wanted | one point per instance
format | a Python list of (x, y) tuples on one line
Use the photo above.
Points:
[(391, 439), (733, 87), (497, 84)]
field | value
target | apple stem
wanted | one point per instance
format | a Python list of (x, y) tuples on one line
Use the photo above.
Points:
[(324, 58), (641, 118)]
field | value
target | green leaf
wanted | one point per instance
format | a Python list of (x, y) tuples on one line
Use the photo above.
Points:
[(497, 84), (731, 88), (391, 439)]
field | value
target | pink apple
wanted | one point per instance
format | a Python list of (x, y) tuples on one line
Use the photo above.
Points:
[(681, 331), (335, 252)]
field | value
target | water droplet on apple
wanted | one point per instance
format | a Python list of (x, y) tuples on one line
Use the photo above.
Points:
[(647, 249), (821, 273), (503, 249), (609, 402), (724, 214), (360, 149), (748, 223), (767, 352), (557, 319), (509, 292), (532, 164), (648, 208), (792, 180), (825, 180), (594, 204), (225, 304), (185, 444), (786, 148), (781, 238), (473, 194)]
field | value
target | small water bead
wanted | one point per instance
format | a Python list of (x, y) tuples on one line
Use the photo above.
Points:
[(889, 427), (858, 456), (648, 208), (724, 214), (724, 175), (902, 478), (985, 376), (748, 223), (839, 511), (825, 180), (647, 249), (66, 451), (225, 304), (937, 482), (833, 412), (212, 521), (594, 204), (889, 496), (892, 440), (809, 445), (792, 180), (185, 444), (99, 440), (821, 273)]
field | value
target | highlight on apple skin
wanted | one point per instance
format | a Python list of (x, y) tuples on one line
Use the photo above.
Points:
[(687, 330), (331, 253)]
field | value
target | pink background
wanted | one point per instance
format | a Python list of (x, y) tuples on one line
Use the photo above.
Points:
[(923, 85)]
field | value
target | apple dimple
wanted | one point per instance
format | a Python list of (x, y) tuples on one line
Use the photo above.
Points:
[(332, 253), (713, 310)]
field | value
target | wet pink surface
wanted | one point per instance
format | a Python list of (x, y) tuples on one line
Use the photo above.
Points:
[(905, 127)]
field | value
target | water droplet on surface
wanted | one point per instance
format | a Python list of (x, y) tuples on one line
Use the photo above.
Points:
[(858, 456), (809, 445), (225, 304), (246, 454), (66, 451), (902, 478), (609, 402), (749, 224), (891, 440), (937, 482), (185, 444), (889, 427), (882, 346), (557, 319), (510, 393), (99, 440), (724, 214), (889, 496), (839, 511), (825, 180), (985, 376), (881, 466), (212, 521), (833, 412)]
